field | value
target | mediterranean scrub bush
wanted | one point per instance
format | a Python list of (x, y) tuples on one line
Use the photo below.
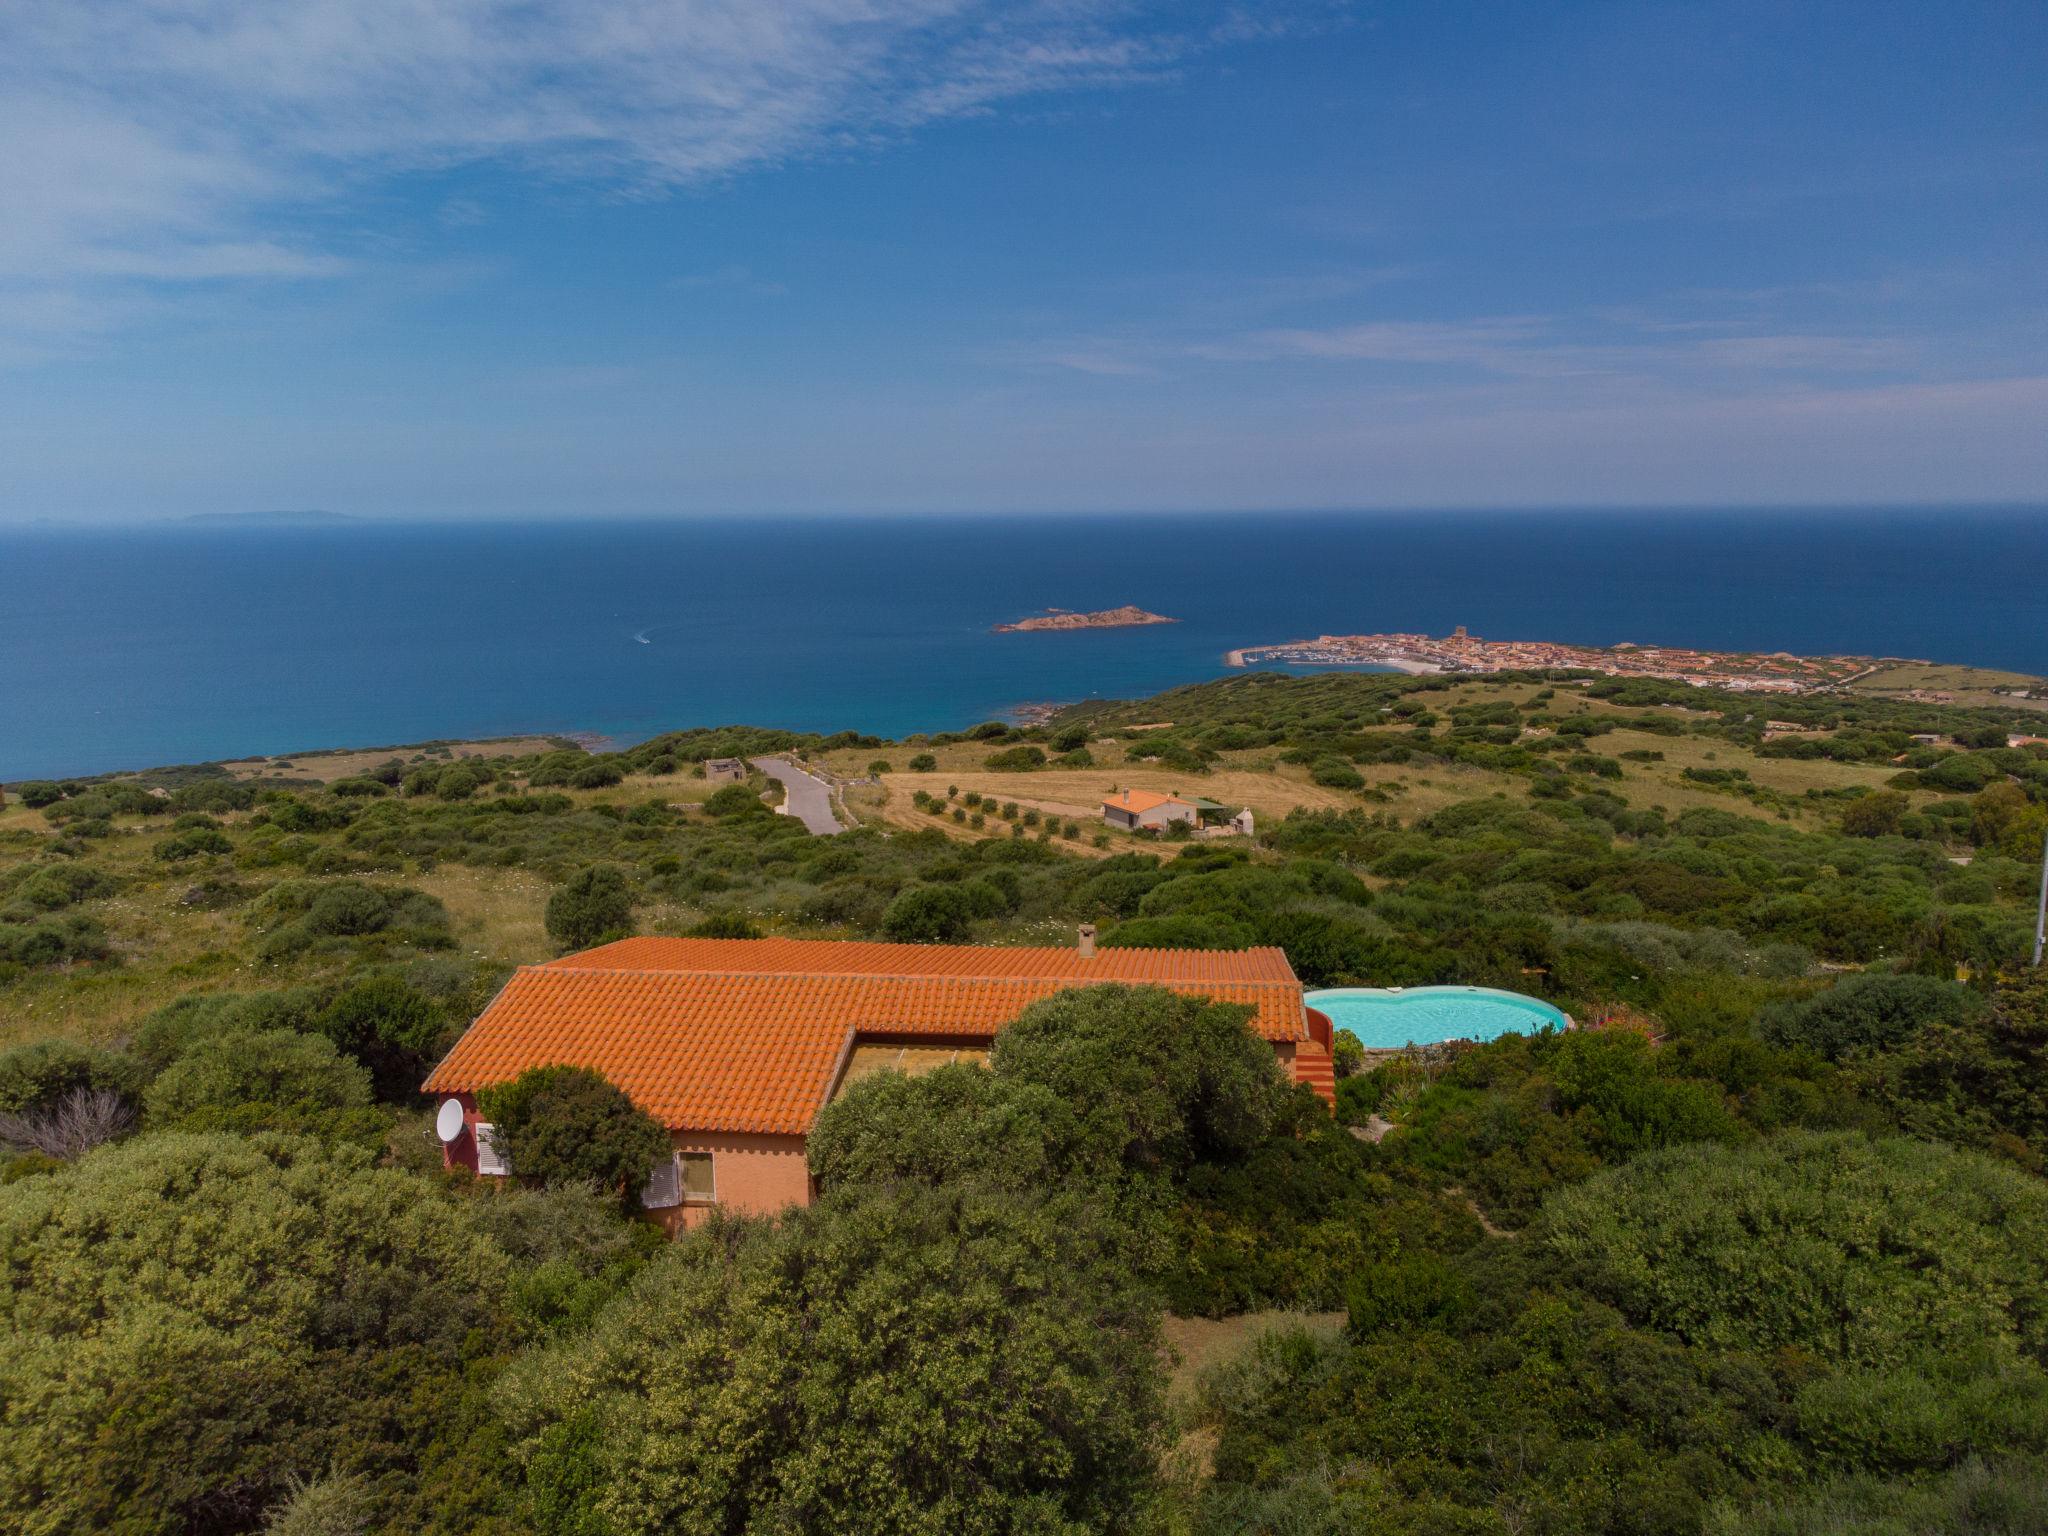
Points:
[(393, 1029), (567, 1125), (910, 1360), (1866, 1012), (1016, 760), (735, 800), (594, 907), (1764, 1247), (189, 1322), (262, 1080)]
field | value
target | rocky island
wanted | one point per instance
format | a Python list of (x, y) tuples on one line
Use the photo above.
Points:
[(1108, 618)]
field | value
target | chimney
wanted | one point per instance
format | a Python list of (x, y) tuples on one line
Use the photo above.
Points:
[(1087, 945)]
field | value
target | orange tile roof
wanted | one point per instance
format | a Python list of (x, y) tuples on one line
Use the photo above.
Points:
[(846, 957), (731, 1035), (1143, 800)]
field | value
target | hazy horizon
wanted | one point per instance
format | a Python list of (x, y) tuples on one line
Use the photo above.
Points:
[(337, 518)]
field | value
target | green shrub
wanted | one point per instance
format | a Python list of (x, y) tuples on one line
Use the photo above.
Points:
[(393, 1029), (192, 845), (263, 1080), (931, 914), (955, 1123), (760, 1376), (593, 907), (53, 941), (735, 800), (1182, 931), (459, 783), (601, 774), (1877, 814), (33, 1078), (725, 925), (1015, 760), (1973, 1499), (1763, 1247), (1335, 773), (347, 910), (38, 888), (1867, 1012), (1408, 1291), (197, 1319), (1158, 1080), (567, 1125)]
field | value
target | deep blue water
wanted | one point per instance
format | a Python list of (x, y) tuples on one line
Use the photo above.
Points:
[(125, 649)]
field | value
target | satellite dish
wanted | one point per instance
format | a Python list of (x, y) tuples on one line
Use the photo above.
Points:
[(448, 1119)]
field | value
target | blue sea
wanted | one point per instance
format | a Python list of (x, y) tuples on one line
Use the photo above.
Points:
[(186, 642)]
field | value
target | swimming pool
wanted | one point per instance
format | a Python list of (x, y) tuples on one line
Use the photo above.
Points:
[(1387, 1018)]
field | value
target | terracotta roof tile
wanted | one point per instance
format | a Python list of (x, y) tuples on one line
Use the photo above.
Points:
[(842, 957), (730, 1035), (1143, 800)]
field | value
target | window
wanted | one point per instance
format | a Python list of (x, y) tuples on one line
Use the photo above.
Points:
[(695, 1171), (488, 1158), (664, 1187)]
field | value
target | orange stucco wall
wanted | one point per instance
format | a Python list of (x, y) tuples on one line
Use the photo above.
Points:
[(753, 1175)]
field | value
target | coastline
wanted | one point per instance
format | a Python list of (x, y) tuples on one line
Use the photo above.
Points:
[(1746, 671), (211, 651), (1412, 665)]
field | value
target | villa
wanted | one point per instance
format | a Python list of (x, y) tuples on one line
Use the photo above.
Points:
[(735, 1045)]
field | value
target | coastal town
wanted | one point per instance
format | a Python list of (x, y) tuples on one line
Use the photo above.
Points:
[(1462, 652)]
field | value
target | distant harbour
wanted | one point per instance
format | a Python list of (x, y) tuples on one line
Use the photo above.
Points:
[(1739, 672), (184, 643)]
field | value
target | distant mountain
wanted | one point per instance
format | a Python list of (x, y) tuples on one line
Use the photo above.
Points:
[(279, 519)]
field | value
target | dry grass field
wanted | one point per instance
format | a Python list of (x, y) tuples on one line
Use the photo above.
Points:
[(174, 946), (1254, 780), (186, 946), (1270, 789), (1200, 1342), (1974, 686)]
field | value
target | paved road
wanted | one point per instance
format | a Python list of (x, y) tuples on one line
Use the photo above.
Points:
[(808, 799)]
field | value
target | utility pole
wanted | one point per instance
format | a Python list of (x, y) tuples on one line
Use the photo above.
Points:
[(2041, 913)]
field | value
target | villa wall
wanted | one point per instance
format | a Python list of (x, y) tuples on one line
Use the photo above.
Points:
[(752, 1175)]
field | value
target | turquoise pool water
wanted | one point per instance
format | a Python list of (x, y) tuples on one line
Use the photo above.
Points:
[(1385, 1019)]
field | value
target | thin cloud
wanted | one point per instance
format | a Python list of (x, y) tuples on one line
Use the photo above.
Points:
[(1531, 347), (732, 277), (161, 143)]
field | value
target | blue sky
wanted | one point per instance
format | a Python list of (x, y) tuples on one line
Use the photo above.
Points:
[(463, 258)]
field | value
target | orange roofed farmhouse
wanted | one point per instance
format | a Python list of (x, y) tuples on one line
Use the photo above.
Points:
[(1135, 808), (735, 1044)]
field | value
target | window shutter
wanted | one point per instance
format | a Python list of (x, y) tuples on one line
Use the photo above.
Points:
[(664, 1187), (488, 1158)]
